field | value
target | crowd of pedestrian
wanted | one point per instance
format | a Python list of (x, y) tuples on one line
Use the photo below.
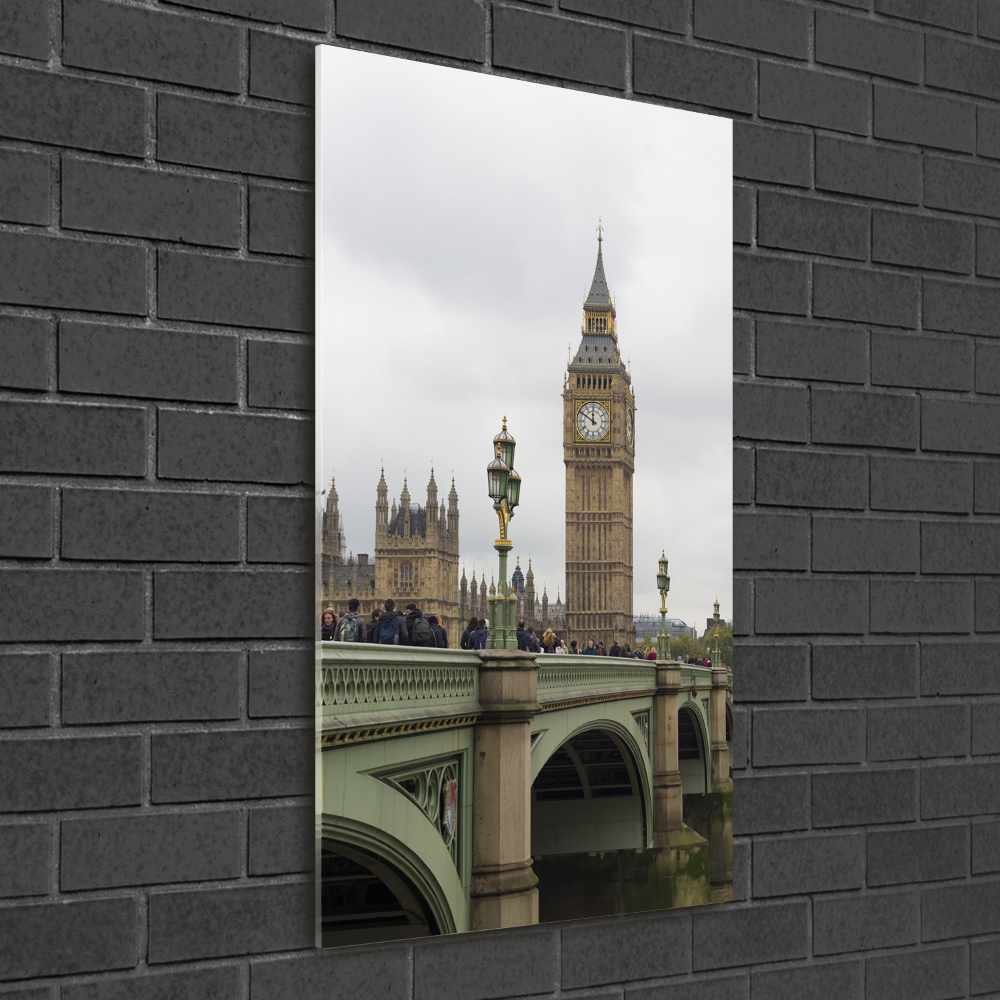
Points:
[(388, 627)]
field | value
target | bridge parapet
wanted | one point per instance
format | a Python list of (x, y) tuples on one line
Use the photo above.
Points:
[(566, 680)]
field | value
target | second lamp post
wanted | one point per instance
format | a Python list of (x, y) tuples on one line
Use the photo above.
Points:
[(505, 492)]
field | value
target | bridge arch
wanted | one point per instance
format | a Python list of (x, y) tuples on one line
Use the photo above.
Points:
[(694, 753)]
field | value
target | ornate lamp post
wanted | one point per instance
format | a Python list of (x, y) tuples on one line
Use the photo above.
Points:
[(716, 654), (505, 492), (663, 585)]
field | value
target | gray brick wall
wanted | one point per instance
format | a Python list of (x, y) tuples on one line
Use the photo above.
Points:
[(156, 231)]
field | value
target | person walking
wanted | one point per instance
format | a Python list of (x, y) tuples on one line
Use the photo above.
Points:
[(351, 627)]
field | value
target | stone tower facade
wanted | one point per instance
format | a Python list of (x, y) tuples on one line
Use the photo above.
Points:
[(599, 455)]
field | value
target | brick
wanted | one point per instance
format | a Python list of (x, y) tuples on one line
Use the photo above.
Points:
[(282, 69), (770, 541), (885, 297), (922, 241), (905, 115), (742, 340), (953, 64), (222, 982), (279, 530), (900, 732), (810, 351), (776, 155), (25, 679), (791, 94), (868, 170), (771, 412), (988, 368), (742, 475), (775, 932), (808, 479), (862, 798), (533, 42), (988, 251), (804, 605), (203, 767), (680, 72), (98, 605), (762, 25), (985, 975), (280, 374), (26, 521), (856, 545), (233, 137), (609, 951), (282, 840), (812, 225), (845, 980), (988, 21), (741, 878), (902, 856), (348, 971), (988, 605), (960, 910), (132, 201), (663, 15), (453, 28), (236, 292), (24, 187), (869, 46), (24, 30), (785, 866), (24, 350), (72, 439), (743, 208), (42, 774), (69, 111), (26, 851), (864, 418), (900, 483), (262, 604), (281, 683), (948, 547), (921, 606), (149, 850), (281, 221), (740, 734), (959, 790), (151, 363), (987, 495), (985, 846), (130, 41), (955, 425), (93, 935), (770, 804), (770, 284), (150, 526), (960, 307), (788, 736), (921, 362), (960, 668), (962, 186), (230, 446), (886, 670), (715, 988), (248, 920), (857, 923), (960, 15), (773, 673), (294, 13), (156, 685), (927, 974), (57, 272), (985, 728)]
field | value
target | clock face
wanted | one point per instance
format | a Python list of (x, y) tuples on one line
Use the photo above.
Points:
[(628, 427), (592, 421)]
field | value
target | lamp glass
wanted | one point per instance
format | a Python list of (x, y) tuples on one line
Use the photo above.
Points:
[(513, 489), (496, 476)]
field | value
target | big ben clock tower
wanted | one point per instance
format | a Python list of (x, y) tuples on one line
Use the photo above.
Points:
[(599, 454)]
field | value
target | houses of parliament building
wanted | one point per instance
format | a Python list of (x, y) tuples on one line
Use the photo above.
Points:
[(416, 547)]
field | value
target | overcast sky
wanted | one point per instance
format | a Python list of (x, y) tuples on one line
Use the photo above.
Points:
[(456, 241)]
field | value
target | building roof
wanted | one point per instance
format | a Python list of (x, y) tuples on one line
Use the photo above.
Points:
[(599, 297)]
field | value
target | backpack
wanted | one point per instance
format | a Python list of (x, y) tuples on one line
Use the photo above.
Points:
[(480, 642), (388, 631), (420, 631), (348, 630), (533, 645)]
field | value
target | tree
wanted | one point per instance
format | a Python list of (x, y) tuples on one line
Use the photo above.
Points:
[(725, 644), (686, 645)]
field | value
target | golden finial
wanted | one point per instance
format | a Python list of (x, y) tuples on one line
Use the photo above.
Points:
[(505, 423), (600, 230)]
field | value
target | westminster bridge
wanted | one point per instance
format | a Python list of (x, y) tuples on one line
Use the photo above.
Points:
[(465, 790)]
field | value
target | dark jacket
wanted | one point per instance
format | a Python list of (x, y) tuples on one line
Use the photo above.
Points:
[(362, 630), (404, 636), (440, 635), (478, 637), (522, 638), (615, 650), (328, 632), (411, 618)]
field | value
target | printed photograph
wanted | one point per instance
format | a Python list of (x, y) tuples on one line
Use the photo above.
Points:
[(524, 655)]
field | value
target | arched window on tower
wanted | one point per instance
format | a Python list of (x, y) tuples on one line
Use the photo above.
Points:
[(406, 575)]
